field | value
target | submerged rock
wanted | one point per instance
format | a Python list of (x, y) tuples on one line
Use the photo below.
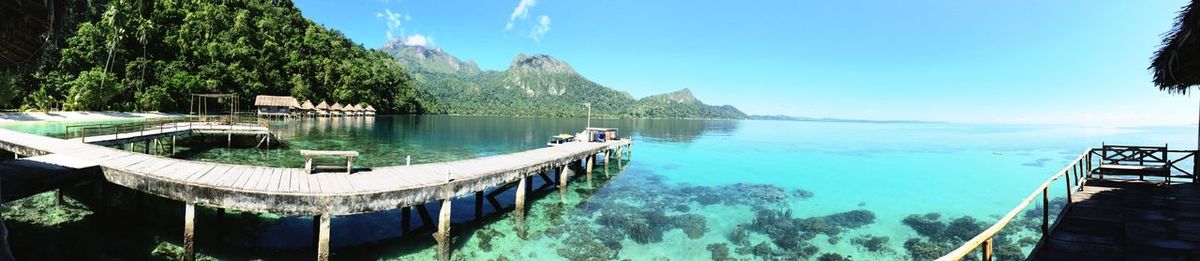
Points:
[(720, 252), (168, 251), (833, 257), (870, 243), (692, 224), (43, 210)]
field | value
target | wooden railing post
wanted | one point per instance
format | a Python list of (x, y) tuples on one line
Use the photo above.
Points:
[(987, 250), (1045, 211), (1068, 179)]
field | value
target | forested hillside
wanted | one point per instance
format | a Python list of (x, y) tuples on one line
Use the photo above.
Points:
[(149, 55), (533, 85)]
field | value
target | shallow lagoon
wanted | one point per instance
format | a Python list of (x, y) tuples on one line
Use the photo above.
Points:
[(694, 189)]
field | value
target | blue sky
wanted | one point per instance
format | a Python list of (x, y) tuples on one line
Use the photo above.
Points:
[(1023, 61)]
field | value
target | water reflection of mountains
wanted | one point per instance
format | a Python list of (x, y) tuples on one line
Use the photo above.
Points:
[(527, 131)]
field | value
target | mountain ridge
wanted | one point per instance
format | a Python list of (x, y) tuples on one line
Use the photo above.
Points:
[(534, 85)]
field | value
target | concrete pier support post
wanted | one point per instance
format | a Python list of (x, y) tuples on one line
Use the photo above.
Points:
[(406, 219), (443, 234), (519, 212), (588, 162), (173, 144), (189, 229), (322, 225), (148, 145), (478, 205)]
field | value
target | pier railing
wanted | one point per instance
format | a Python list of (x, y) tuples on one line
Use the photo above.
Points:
[(1074, 176), (157, 125)]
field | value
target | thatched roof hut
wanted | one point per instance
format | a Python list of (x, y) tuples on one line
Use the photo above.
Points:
[(1176, 67), (275, 101), (370, 110), (322, 106), (307, 105)]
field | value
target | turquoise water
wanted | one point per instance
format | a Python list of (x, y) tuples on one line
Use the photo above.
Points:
[(694, 190)]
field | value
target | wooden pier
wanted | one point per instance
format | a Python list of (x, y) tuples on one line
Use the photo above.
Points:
[(290, 191), (1122, 203)]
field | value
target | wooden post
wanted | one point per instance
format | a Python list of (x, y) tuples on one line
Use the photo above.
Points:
[(322, 232), (189, 228), (519, 212), (349, 164), (1046, 211), (1067, 177), (407, 160), (229, 139), (478, 205), (147, 149), (173, 144), (987, 250)]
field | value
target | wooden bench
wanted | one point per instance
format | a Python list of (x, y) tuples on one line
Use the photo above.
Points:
[(1134, 160), (310, 154)]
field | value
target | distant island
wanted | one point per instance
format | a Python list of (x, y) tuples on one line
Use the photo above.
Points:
[(795, 118)]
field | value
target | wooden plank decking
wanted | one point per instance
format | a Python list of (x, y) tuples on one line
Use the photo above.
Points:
[(290, 191), (1127, 220)]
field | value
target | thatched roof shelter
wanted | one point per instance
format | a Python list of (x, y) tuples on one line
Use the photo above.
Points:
[(1176, 67), (336, 107), (370, 108), (322, 106), (353, 107), (276, 101), (307, 105)]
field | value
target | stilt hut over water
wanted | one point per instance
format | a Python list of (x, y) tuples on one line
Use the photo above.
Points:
[(280, 106), (355, 110), (322, 109), (307, 108), (336, 109), (370, 110)]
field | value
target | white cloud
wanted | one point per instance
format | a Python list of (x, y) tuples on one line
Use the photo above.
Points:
[(522, 12), (418, 40), (392, 19), (542, 27)]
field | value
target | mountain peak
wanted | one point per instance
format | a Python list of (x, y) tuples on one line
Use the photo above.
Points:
[(681, 96), (422, 56), (540, 62)]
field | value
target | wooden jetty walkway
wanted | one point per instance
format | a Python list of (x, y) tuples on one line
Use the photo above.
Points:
[(289, 191), (1122, 203)]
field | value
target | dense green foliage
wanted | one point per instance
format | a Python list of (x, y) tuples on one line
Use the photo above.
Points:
[(536, 85), (151, 55)]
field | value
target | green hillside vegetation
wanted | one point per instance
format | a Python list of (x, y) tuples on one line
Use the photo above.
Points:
[(144, 55), (534, 85)]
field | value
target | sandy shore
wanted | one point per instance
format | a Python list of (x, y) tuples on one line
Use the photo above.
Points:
[(69, 116)]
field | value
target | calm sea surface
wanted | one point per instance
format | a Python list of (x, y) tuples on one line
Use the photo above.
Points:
[(693, 190)]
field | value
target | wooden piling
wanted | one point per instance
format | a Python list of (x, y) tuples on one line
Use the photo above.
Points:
[(189, 228), (322, 232), (173, 144)]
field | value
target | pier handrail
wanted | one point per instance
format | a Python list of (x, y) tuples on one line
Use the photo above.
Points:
[(1080, 169), (82, 131), (984, 239)]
